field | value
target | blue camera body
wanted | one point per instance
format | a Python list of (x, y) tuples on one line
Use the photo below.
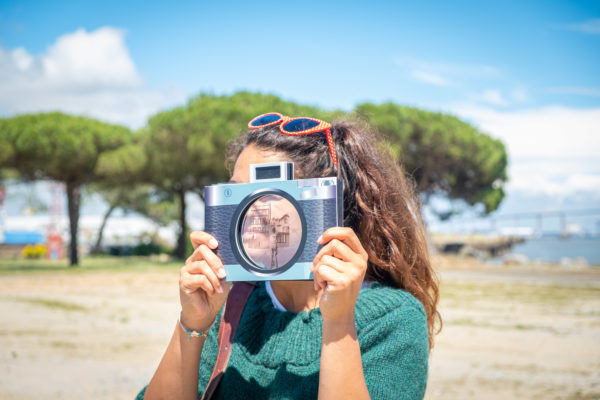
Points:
[(268, 229)]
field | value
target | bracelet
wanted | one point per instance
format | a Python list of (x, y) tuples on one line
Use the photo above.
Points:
[(192, 333)]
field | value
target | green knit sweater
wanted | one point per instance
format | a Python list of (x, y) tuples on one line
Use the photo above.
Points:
[(276, 354)]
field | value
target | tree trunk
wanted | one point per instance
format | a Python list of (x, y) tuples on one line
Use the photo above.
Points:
[(73, 200), (423, 184), (96, 248), (181, 241)]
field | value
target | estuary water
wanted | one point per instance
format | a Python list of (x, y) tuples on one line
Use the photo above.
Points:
[(555, 249)]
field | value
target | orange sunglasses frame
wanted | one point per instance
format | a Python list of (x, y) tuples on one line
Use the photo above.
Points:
[(283, 119)]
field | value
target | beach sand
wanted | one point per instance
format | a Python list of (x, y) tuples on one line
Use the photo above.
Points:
[(527, 332)]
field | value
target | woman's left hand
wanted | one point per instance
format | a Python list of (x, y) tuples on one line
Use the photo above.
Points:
[(339, 269)]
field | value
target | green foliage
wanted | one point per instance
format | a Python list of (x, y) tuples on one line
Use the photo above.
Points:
[(122, 165), (6, 149), (445, 155), (90, 264), (150, 248), (57, 146)]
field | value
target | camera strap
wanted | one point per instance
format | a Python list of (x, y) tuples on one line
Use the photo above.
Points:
[(236, 301)]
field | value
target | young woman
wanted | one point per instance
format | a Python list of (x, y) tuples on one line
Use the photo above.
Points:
[(362, 329)]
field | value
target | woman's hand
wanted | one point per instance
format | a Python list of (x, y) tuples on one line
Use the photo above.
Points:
[(201, 292), (339, 268)]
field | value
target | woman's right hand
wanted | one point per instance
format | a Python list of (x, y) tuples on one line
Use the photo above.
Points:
[(201, 291)]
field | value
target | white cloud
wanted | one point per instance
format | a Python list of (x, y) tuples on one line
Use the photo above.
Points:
[(445, 69), (89, 73), (97, 58), (591, 27), (552, 150), (493, 97), (430, 78), (22, 59), (555, 131), (536, 179), (519, 94)]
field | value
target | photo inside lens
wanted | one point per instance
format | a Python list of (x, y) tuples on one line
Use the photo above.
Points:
[(271, 232)]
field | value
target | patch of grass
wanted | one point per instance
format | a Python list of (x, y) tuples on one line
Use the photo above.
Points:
[(463, 322), (92, 263), (63, 345), (579, 313), (579, 395), (484, 324), (21, 332), (528, 368), (124, 346), (526, 327), (518, 293), (54, 304)]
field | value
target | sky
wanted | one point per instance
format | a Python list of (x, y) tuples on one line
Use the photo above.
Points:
[(524, 72)]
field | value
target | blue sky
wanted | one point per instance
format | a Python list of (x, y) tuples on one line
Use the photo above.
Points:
[(526, 72), (338, 53)]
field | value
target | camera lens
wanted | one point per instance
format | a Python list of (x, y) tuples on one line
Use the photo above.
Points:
[(271, 232)]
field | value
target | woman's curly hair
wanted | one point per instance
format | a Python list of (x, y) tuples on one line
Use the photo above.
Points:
[(379, 203)]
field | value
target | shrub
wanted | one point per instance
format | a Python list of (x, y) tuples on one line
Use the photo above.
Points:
[(147, 249)]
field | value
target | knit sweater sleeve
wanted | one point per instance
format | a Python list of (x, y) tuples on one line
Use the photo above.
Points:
[(395, 352)]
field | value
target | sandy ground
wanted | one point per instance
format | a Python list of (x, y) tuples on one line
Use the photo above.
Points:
[(509, 332)]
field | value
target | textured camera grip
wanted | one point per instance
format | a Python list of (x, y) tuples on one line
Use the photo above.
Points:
[(217, 221), (320, 216)]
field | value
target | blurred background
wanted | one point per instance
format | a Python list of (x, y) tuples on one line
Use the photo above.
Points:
[(113, 118)]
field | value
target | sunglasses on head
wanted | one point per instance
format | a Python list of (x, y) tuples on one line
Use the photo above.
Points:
[(295, 127)]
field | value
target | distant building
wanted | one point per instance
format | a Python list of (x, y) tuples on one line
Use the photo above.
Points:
[(23, 237)]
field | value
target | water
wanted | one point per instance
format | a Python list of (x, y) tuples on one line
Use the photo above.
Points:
[(554, 249)]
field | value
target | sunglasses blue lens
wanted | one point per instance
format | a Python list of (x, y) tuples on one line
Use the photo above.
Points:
[(267, 119), (299, 125)]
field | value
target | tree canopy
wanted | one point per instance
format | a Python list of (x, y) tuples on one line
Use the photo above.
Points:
[(444, 155), (59, 147)]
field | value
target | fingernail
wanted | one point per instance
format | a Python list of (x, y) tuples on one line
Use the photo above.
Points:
[(219, 289), (221, 273), (213, 243), (320, 239)]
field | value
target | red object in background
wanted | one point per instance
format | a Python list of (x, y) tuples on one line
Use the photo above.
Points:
[(2, 194), (54, 246)]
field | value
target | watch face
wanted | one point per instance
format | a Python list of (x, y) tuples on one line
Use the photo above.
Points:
[(271, 232)]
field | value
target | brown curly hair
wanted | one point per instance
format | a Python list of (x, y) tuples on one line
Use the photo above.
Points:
[(379, 203)]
